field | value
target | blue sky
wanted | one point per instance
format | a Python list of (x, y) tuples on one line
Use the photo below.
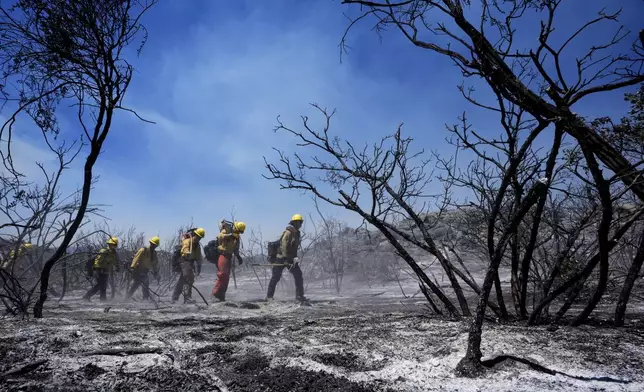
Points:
[(214, 75)]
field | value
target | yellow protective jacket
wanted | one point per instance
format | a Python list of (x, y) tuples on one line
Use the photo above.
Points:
[(190, 249), (228, 244), (289, 243), (12, 259), (106, 259), (145, 259)]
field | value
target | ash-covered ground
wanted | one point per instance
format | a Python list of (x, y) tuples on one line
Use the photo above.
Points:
[(366, 340)]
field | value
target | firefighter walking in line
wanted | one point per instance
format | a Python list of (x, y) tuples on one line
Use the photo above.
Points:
[(228, 246), (145, 260), (12, 258), (104, 263), (190, 254), (287, 254)]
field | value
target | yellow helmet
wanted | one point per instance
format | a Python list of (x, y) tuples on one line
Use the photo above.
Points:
[(297, 217), (200, 232), (113, 241), (155, 241), (240, 227), (27, 245)]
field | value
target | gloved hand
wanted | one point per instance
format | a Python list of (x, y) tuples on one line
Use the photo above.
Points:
[(240, 260), (296, 260)]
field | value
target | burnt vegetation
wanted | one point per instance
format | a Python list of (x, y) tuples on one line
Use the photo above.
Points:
[(560, 217), (536, 222)]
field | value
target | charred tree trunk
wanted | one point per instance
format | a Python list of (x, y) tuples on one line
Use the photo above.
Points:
[(515, 285), (449, 269), (471, 365), (629, 282), (573, 293), (514, 274), (96, 145), (515, 279), (603, 231), (536, 224), (499, 296), (608, 155), (425, 292)]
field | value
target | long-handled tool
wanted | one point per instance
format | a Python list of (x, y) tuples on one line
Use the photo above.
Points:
[(271, 265)]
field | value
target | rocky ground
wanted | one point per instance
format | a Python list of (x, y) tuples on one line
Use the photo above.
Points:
[(368, 341)]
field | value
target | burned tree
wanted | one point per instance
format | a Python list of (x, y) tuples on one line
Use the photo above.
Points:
[(37, 214), (68, 51), (489, 51), (532, 80), (383, 183)]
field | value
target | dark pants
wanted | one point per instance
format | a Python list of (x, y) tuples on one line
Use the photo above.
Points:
[(277, 275), (112, 283), (185, 281), (140, 278), (102, 277)]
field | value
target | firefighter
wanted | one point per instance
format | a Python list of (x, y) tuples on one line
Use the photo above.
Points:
[(228, 246), (104, 263), (11, 261), (144, 261), (190, 255), (287, 254)]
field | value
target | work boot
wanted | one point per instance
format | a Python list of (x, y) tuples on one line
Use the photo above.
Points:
[(269, 299), (301, 298)]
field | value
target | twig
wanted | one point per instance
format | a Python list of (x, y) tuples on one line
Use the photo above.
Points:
[(199, 292), (257, 276), (496, 360), (22, 369), (124, 351)]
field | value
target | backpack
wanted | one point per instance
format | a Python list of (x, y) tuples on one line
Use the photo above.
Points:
[(211, 250), (187, 233), (89, 267), (226, 224), (176, 254), (273, 249)]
